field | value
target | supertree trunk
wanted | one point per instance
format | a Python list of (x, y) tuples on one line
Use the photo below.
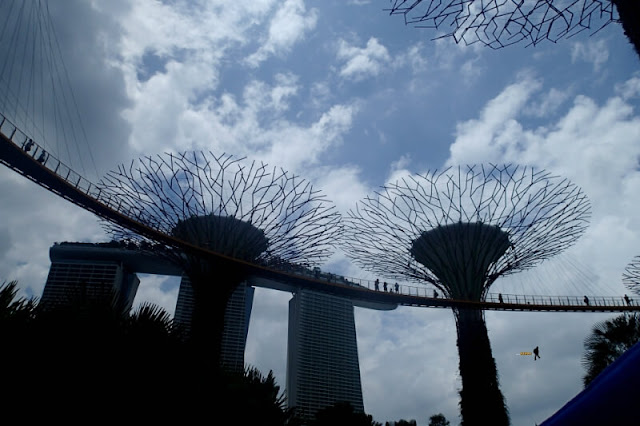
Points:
[(212, 288), (460, 230), (629, 11), (481, 401), (216, 204)]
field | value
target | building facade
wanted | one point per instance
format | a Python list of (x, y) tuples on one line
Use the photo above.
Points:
[(72, 280), (322, 353)]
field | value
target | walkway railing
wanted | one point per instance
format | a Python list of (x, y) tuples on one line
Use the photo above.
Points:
[(47, 160), (93, 199)]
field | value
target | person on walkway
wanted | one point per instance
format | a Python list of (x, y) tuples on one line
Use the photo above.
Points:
[(626, 299), (28, 145), (586, 300), (377, 283), (385, 286), (397, 288), (536, 353), (500, 298)]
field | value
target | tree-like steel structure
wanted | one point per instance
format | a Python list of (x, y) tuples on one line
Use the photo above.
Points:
[(500, 23), (631, 275), (460, 229), (242, 210)]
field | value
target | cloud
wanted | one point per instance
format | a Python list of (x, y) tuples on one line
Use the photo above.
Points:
[(595, 52), (159, 290), (343, 183), (360, 63), (593, 144), (549, 103), (32, 219), (630, 88), (483, 139), (256, 125), (288, 26)]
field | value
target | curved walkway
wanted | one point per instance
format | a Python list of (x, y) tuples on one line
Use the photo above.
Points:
[(24, 156)]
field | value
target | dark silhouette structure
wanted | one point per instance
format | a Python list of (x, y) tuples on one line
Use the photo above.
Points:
[(631, 277), (245, 211), (502, 23), (459, 230), (607, 341)]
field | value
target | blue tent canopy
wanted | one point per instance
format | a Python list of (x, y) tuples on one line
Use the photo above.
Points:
[(610, 399)]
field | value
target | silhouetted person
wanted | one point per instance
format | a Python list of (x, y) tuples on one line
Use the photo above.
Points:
[(626, 299), (586, 300), (500, 298), (42, 157), (397, 288), (536, 353), (377, 284), (385, 286), (28, 145)]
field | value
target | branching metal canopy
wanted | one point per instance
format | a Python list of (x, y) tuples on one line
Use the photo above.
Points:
[(500, 23), (465, 225), (246, 210), (631, 275)]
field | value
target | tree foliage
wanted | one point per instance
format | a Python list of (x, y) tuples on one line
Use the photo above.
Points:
[(88, 356), (438, 420), (342, 414), (607, 341)]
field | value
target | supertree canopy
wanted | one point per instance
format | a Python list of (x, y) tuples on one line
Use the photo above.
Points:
[(460, 229), (499, 23), (631, 275), (243, 210)]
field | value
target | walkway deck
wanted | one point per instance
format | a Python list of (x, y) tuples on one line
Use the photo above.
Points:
[(26, 157)]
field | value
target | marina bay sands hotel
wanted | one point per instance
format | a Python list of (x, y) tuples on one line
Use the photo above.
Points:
[(322, 352)]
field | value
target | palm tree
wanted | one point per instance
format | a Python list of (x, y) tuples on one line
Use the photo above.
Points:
[(607, 341), (13, 309), (17, 315)]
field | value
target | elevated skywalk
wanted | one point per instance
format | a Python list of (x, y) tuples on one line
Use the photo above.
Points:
[(24, 156)]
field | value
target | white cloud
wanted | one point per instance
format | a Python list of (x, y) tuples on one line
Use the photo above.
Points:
[(482, 139), (595, 52), (343, 183), (288, 26), (362, 62), (630, 88), (594, 145), (549, 103), (399, 169), (159, 290), (33, 219)]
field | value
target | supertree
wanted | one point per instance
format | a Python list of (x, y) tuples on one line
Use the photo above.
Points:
[(242, 210), (631, 277), (459, 230), (500, 23)]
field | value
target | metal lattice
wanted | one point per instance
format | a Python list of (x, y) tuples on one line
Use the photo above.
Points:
[(500, 23), (631, 275), (503, 219), (222, 202)]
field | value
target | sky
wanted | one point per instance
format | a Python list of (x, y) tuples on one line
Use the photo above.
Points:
[(350, 98)]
